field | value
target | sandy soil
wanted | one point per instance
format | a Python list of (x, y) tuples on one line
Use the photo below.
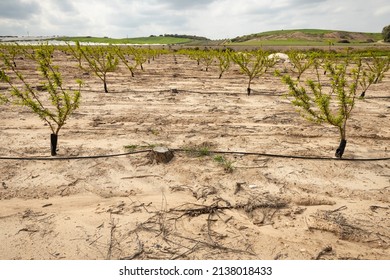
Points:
[(129, 208)]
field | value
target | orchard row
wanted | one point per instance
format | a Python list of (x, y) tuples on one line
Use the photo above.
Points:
[(326, 95)]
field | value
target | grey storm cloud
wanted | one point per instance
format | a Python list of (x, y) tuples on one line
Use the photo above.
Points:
[(215, 19), (18, 9), (66, 6), (185, 4), (306, 2)]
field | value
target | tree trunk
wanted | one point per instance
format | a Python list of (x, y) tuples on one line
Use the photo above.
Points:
[(343, 141), (160, 155), (249, 87), (53, 144), (341, 148), (105, 87)]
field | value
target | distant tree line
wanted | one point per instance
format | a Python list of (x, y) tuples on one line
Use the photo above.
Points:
[(191, 37)]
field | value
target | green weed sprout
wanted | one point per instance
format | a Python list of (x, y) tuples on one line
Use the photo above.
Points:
[(227, 164)]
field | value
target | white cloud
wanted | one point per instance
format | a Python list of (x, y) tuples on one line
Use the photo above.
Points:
[(210, 18), (383, 11)]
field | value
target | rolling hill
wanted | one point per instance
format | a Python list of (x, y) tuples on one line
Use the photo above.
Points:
[(307, 37)]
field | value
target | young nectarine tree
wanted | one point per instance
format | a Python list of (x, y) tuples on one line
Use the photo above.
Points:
[(223, 61), (140, 57), (124, 56), (300, 62), (100, 59), (253, 64), (53, 103), (379, 65), (329, 97)]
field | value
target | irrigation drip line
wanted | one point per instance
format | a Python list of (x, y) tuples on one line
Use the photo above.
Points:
[(288, 156), (74, 157), (186, 150), (253, 92)]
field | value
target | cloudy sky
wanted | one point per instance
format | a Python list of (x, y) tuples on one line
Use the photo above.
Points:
[(215, 19)]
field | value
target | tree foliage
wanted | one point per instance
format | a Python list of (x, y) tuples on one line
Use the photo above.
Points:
[(3, 97), (386, 33)]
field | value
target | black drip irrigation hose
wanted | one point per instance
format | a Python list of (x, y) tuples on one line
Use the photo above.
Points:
[(186, 150), (288, 156), (253, 92), (74, 157)]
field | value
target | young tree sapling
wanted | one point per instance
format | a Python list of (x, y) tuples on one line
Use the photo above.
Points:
[(377, 66), (253, 64), (123, 55), (224, 61), (300, 62), (55, 104), (101, 61), (328, 98)]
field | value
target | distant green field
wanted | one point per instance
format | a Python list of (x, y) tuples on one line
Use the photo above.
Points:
[(140, 40)]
